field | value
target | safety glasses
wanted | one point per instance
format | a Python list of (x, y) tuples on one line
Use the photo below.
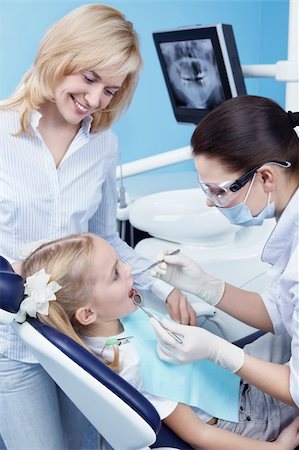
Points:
[(222, 194)]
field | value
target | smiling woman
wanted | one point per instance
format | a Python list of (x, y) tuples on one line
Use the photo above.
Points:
[(57, 143), (79, 95), (64, 51)]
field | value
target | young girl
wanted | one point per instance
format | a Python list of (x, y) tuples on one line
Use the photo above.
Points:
[(93, 295), (58, 159)]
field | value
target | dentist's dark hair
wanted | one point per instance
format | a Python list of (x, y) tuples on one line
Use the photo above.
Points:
[(246, 131)]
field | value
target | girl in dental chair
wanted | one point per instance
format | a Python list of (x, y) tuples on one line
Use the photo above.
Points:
[(87, 295)]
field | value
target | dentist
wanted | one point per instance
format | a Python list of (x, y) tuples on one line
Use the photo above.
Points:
[(246, 152)]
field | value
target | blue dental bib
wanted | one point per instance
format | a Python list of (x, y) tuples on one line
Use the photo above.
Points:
[(201, 384)]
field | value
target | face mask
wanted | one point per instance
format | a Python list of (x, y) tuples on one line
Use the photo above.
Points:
[(241, 215)]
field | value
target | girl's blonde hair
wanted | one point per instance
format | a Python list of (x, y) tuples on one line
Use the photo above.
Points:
[(68, 261), (91, 37)]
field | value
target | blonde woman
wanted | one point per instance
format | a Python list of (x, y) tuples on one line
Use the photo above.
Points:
[(92, 298), (57, 176)]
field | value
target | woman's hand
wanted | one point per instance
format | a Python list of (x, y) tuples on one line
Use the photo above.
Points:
[(185, 274), (180, 309), (198, 344)]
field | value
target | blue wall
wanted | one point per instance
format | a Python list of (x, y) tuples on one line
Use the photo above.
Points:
[(149, 126)]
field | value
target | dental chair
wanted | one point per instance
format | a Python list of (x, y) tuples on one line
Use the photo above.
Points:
[(122, 416)]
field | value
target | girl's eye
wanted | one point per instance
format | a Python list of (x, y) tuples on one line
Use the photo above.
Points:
[(116, 274)]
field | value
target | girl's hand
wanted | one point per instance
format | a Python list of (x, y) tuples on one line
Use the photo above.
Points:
[(289, 437), (180, 309)]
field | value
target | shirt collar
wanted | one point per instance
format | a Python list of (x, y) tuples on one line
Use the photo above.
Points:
[(34, 119), (286, 227), (85, 127)]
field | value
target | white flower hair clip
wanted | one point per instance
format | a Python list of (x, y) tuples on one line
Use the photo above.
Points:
[(39, 293)]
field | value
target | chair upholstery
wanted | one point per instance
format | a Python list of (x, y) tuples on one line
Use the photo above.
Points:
[(122, 415), (104, 397), (12, 290)]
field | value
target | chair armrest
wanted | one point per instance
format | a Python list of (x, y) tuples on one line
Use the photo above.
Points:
[(248, 339)]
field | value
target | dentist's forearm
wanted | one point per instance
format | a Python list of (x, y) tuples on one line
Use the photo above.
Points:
[(259, 373), (245, 306)]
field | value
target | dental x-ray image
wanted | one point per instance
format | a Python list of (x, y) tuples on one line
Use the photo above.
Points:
[(193, 73)]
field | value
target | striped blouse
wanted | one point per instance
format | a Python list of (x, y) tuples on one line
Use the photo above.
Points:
[(40, 201)]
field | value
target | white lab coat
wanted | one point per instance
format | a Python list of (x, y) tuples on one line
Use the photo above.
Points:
[(281, 297)]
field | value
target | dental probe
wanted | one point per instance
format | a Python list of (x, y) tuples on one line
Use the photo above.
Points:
[(155, 263), (137, 299)]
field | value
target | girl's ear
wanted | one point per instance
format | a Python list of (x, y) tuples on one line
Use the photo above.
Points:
[(85, 316)]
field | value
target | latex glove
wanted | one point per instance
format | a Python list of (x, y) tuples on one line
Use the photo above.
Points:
[(185, 274), (198, 344)]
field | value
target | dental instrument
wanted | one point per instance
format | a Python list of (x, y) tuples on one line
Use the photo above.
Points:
[(115, 341), (154, 264), (118, 341), (137, 299)]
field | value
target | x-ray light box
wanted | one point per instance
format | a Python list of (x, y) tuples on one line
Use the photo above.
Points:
[(201, 68)]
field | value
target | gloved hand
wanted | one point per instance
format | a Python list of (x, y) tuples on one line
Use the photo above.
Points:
[(185, 274), (198, 344)]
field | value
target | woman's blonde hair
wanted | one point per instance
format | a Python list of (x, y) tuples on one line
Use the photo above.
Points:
[(68, 261), (91, 37)]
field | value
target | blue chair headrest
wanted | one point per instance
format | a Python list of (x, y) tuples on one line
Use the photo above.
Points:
[(5, 266), (11, 291)]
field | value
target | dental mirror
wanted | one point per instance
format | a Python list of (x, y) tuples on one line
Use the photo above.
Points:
[(137, 300)]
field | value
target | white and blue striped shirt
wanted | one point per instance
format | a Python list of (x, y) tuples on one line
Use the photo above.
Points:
[(40, 201)]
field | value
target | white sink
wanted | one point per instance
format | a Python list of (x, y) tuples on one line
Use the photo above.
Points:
[(181, 216)]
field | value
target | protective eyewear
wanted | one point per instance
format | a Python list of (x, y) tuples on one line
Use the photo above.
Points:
[(222, 194)]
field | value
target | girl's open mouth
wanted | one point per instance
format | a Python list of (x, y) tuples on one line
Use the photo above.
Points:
[(132, 292)]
